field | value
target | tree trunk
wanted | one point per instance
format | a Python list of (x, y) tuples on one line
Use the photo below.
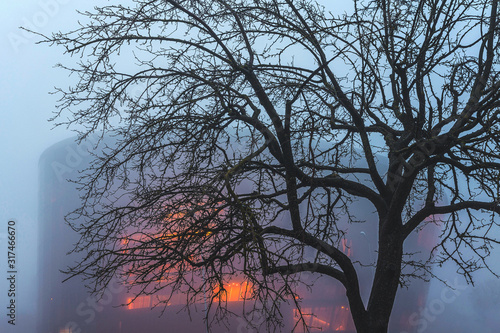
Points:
[(386, 280)]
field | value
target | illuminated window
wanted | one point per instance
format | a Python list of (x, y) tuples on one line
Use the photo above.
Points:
[(139, 303), (234, 292)]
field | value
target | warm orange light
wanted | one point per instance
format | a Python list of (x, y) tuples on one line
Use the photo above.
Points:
[(234, 292), (341, 318), (140, 302), (347, 246)]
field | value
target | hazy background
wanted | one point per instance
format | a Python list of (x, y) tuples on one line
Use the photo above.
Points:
[(27, 76)]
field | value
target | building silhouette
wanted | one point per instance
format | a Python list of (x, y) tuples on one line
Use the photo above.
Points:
[(69, 308)]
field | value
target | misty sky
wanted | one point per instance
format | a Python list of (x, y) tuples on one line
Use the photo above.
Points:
[(27, 76)]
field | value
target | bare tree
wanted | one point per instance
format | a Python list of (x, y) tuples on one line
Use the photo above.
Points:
[(245, 128)]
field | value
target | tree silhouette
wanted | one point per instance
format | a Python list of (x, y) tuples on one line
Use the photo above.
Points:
[(244, 129)]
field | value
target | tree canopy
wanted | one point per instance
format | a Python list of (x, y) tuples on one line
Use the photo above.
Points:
[(245, 129)]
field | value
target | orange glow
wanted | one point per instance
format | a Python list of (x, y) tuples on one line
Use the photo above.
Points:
[(234, 292), (341, 318), (347, 246), (140, 302)]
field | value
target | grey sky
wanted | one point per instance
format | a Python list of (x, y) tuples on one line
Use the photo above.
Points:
[(27, 75)]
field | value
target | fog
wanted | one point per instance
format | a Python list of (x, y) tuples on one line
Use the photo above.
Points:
[(27, 77)]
